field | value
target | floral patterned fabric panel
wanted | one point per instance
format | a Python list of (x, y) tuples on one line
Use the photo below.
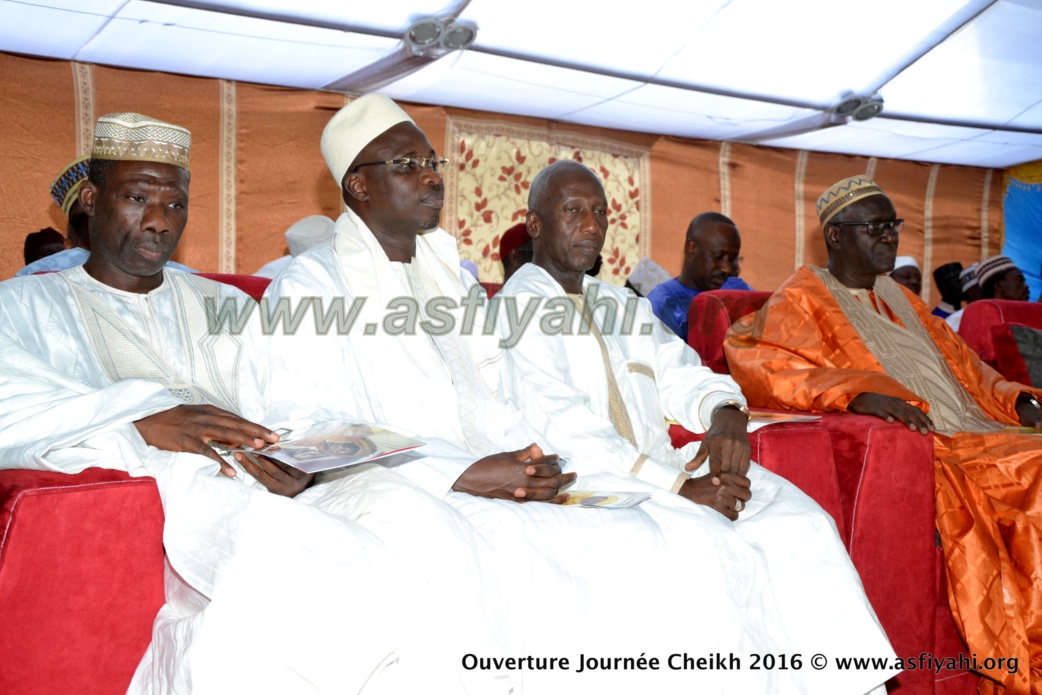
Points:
[(491, 170)]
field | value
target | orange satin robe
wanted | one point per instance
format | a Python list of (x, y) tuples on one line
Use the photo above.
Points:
[(801, 353)]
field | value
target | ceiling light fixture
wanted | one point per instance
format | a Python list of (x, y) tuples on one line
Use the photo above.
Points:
[(431, 37), (871, 108), (858, 108), (424, 33)]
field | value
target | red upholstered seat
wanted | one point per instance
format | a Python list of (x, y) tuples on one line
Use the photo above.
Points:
[(876, 480), (250, 284), (81, 579), (985, 327), (491, 288), (709, 317)]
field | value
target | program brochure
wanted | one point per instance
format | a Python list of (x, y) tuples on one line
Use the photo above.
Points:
[(603, 499), (326, 445)]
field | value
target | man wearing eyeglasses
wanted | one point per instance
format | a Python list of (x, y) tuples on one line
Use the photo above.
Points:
[(849, 338)]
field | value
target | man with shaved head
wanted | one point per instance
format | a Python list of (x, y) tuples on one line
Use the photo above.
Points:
[(712, 250), (601, 375), (849, 338)]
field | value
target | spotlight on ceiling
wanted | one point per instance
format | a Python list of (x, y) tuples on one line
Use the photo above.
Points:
[(423, 34), (871, 108), (848, 105), (858, 108), (431, 37), (459, 35)]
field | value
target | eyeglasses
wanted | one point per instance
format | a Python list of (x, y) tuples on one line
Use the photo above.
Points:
[(875, 228), (407, 165)]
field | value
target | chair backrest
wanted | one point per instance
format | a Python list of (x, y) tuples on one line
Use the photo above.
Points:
[(709, 317), (491, 288), (250, 284), (985, 328)]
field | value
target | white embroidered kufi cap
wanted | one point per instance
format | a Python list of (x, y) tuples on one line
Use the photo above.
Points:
[(134, 137), (309, 232), (355, 126)]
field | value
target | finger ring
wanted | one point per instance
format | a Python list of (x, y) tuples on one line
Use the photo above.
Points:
[(738, 506)]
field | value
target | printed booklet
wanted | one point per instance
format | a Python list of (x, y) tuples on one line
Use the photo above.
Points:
[(326, 445), (604, 500)]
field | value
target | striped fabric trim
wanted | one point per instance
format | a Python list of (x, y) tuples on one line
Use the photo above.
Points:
[(870, 169), (83, 86), (226, 209), (800, 207), (931, 189), (985, 201), (638, 464), (725, 178), (640, 368)]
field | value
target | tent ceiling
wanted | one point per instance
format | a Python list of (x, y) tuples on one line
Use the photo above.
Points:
[(961, 79)]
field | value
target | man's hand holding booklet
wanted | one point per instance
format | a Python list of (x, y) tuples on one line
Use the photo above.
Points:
[(323, 446)]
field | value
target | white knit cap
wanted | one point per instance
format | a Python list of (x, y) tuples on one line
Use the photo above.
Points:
[(308, 232), (906, 262), (355, 126)]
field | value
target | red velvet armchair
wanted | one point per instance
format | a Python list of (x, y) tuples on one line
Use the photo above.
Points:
[(876, 480), (986, 328)]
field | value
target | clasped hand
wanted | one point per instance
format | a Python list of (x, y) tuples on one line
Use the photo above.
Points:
[(523, 475), (726, 445)]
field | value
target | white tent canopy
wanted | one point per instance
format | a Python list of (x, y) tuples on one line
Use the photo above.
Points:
[(960, 80)]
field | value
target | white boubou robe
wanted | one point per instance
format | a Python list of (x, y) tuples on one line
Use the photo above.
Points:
[(559, 373), (666, 577), (360, 584)]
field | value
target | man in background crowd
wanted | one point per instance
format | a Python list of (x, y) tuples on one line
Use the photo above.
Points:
[(304, 234), (970, 291), (906, 272), (515, 249), (711, 250), (46, 242), (1000, 278), (946, 277)]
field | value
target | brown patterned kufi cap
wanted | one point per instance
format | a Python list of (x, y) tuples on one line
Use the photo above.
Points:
[(994, 267), (134, 137), (843, 194)]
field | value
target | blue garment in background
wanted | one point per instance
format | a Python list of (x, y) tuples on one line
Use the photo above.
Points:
[(671, 300)]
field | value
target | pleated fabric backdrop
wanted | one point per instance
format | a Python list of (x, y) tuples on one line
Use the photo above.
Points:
[(256, 169)]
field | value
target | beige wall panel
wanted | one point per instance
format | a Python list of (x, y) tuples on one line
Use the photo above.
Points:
[(38, 138), (763, 184), (280, 173), (685, 181)]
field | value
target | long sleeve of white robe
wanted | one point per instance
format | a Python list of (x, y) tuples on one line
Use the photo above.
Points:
[(311, 364), (57, 410), (556, 378)]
